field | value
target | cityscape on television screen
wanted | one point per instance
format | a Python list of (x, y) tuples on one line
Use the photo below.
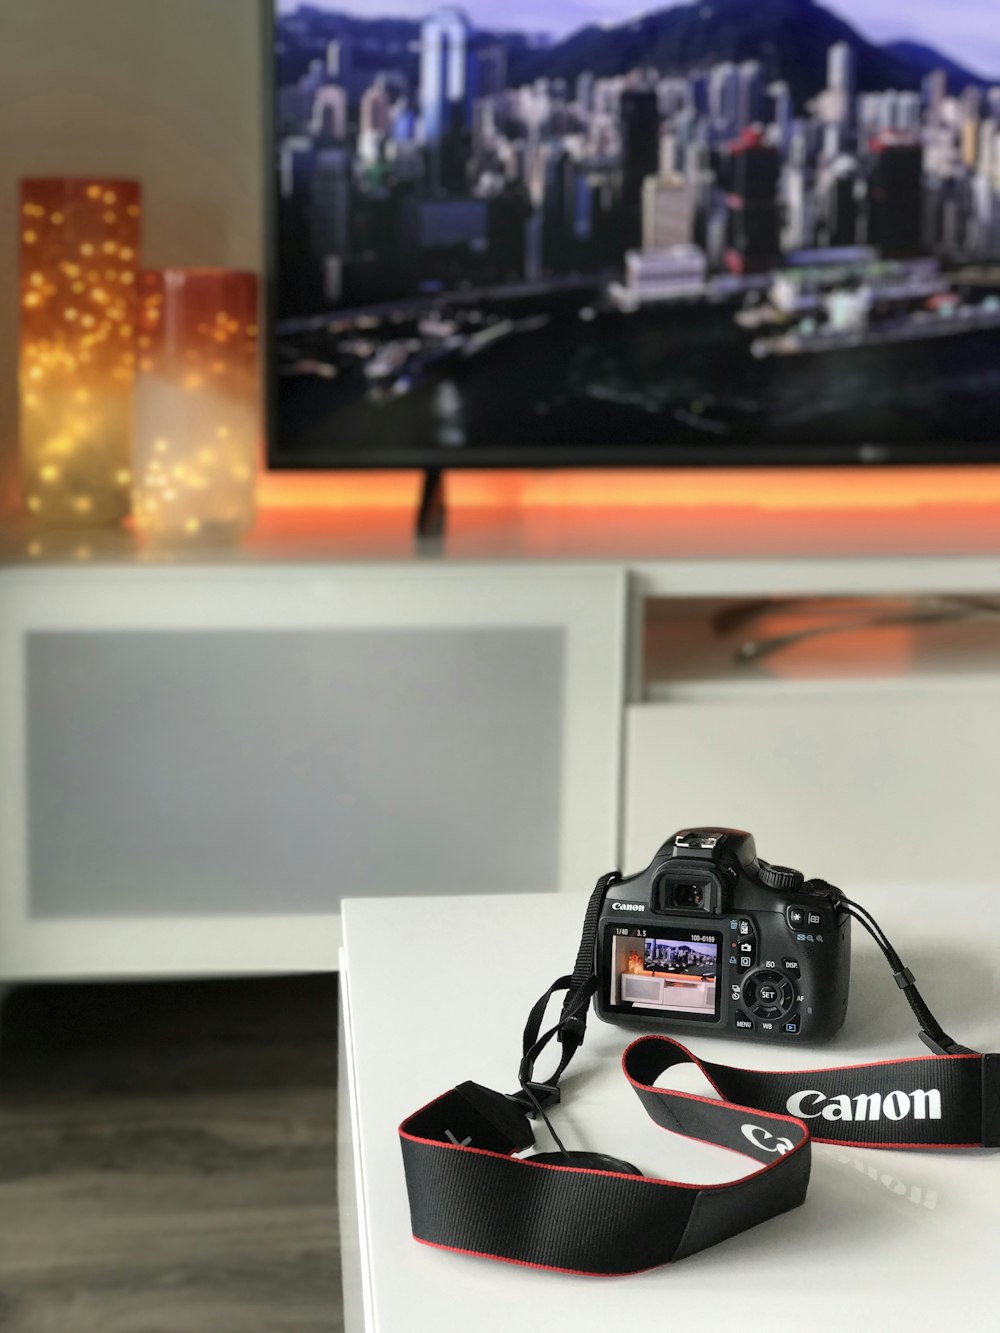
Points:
[(741, 223)]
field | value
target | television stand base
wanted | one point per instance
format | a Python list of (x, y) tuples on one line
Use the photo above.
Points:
[(432, 514)]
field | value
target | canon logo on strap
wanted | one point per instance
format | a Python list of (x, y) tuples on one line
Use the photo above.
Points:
[(765, 1141), (921, 1105)]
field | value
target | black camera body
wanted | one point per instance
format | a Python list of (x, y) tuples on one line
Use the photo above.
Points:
[(711, 938)]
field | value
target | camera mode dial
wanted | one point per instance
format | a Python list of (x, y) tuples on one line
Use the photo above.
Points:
[(783, 878)]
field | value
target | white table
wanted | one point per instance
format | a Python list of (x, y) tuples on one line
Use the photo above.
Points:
[(898, 1240)]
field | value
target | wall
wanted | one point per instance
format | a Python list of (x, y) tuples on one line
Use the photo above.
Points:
[(166, 91)]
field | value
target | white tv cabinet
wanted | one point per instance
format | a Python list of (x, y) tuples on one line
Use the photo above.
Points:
[(201, 754)]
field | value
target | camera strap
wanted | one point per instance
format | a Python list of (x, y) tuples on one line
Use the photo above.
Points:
[(584, 1212)]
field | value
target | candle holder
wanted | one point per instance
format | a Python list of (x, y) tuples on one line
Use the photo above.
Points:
[(198, 415), (79, 263)]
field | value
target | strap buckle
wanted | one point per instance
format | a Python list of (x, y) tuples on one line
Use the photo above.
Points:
[(946, 1046), (534, 1098), (572, 1031)]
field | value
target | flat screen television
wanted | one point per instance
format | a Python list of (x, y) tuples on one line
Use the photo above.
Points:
[(553, 232)]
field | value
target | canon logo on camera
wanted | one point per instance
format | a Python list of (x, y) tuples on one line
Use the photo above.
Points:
[(629, 907)]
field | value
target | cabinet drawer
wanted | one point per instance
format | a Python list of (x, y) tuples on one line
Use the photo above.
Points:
[(197, 763)]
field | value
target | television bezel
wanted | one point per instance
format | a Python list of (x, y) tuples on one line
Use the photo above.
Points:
[(537, 457)]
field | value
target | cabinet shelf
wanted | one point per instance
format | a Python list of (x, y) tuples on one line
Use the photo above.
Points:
[(725, 645)]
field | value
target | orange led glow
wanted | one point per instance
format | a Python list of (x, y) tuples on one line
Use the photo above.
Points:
[(78, 409), (792, 490), (655, 514)]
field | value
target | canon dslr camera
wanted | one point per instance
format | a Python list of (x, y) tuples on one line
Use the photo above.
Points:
[(711, 937)]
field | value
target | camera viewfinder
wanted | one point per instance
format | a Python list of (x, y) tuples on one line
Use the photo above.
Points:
[(681, 892), (689, 895)]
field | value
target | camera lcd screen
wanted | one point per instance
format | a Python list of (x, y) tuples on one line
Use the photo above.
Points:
[(676, 972)]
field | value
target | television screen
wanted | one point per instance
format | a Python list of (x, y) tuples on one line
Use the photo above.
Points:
[(557, 232)]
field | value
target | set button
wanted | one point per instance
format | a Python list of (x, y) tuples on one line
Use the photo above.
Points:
[(768, 995)]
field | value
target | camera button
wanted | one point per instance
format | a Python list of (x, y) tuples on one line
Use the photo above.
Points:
[(791, 1024), (814, 919), (767, 993), (746, 961), (742, 1022), (791, 966), (746, 927), (795, 916)]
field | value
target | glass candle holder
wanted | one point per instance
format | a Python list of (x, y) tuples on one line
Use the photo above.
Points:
[(79, 265), (198, 414)]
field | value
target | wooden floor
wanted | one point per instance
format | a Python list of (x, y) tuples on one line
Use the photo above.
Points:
[(167, 1158)]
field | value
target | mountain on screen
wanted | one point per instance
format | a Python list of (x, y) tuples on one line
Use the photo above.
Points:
[(790, 37)]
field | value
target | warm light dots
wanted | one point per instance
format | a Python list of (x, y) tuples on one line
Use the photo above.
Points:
[(77, 355), (198, 420)]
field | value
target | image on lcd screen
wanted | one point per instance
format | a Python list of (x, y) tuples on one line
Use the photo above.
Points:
[(676, 973)]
